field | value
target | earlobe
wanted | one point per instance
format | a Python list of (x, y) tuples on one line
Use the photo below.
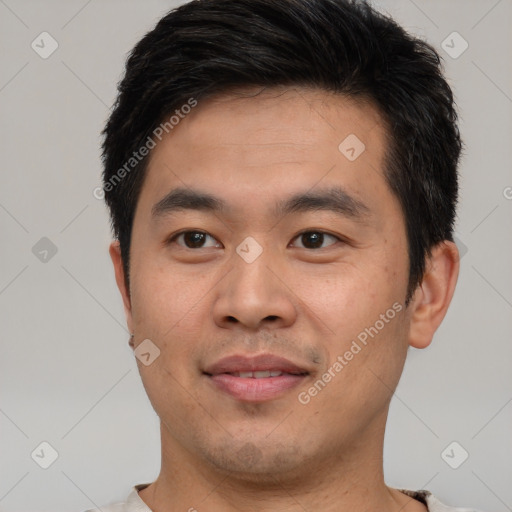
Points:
[(115, 255), (434, 294)]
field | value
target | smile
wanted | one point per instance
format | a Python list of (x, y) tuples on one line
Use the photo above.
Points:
[(255, 379)]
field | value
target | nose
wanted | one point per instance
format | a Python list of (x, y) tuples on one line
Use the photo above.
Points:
[(255, 295)]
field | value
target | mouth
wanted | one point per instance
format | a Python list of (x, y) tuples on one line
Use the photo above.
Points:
[(255, 379)]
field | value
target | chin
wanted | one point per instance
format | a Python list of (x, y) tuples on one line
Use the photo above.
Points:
[(253, 463)]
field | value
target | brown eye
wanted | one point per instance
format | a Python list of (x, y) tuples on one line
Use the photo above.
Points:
[(315, 239), (192, 239)]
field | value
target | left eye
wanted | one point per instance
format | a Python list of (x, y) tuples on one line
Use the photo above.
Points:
[(315, 239)]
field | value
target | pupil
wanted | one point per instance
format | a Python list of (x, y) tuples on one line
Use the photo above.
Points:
[(193, 238), (316, 238)]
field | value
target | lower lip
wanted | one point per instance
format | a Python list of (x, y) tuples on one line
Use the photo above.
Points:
[(255, 390)]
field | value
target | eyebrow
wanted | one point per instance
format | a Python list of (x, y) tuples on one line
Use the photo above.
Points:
[(334, 199)]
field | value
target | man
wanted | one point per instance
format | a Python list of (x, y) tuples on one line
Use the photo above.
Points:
[(282, 181)]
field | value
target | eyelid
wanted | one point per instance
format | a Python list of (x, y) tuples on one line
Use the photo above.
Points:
[(323, 232), (172, 238)]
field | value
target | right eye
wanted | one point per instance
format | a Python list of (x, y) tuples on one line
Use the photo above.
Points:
[(192, 239)]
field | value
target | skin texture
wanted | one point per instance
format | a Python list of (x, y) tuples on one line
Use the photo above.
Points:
[(306, 304)]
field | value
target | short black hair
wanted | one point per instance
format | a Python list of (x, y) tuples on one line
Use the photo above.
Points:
[(207, 47)]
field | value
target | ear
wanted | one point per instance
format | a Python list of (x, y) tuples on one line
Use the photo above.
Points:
[(115, 254), (434, 294)]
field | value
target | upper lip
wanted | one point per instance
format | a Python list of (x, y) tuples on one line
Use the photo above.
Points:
[(262, 362)]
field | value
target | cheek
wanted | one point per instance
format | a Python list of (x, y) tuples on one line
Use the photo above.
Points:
[(347, 298), (165, 297), (170, 307), (366, 357), (169, 393), (362, 308)]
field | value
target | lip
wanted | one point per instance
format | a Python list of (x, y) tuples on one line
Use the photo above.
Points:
[(251, 389), (262, 362)]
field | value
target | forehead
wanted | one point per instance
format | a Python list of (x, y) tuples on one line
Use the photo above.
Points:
[(250, 142), (280, 120)]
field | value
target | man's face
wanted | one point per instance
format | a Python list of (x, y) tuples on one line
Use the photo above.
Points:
[(310, 284)]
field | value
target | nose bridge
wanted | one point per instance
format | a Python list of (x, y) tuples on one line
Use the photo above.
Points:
[(251, 275), (252, 292)]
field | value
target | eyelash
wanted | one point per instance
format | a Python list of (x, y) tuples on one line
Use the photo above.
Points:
[(172, 239)]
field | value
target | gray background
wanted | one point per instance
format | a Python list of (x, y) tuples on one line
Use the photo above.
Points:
[(68, 376)]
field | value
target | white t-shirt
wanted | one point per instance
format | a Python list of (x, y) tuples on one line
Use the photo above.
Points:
[(134, 503)]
